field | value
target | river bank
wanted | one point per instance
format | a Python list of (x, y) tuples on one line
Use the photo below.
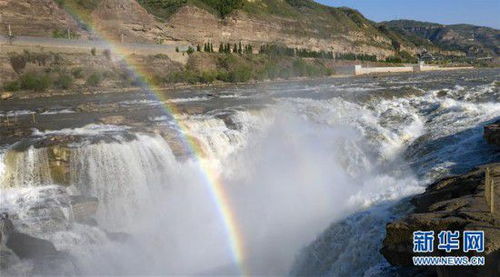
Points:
[(101, 70), (174, 88), (180, 87)]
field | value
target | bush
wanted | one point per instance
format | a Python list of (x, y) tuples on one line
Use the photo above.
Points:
[(64, 81), (393, 59), (93, 51), (94, 79), (35, 81), (88, 4), (224, 7), (60, 3), (270, 71), (223, 76), (18, 62), (58, 34), (208, 77), (241, 74), (12, 86), (77, 72)]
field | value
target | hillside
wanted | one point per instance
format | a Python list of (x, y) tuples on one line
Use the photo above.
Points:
[(35, 18), (476, 41), (291, 23), (302, 24)]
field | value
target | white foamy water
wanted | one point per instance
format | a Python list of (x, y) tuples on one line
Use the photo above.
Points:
[(63, 111), (188, 99), (311, 182), (88, 130), (16, 113)]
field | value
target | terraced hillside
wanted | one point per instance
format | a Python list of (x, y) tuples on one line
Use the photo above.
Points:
[(302, 24), (476, 41)]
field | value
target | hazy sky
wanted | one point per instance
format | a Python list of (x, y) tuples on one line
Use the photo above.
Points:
[(477, 12)]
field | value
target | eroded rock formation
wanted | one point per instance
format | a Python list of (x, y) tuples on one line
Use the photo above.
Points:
[(492, 133), (453, 203)]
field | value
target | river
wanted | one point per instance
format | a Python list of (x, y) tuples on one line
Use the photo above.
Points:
[(290, 178)]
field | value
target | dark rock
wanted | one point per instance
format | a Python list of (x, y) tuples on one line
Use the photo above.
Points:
[(228, 121), (7, 257), (442, 93), (118, 236), (446, 189), (492, 133), (84, 208), (455, 203), (29, 247), (6, 227)]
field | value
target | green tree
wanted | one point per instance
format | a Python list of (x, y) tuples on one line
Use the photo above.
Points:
[(396, 45)]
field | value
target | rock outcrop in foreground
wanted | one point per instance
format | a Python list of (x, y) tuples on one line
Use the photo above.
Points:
[(492, 133), (453, 203), (15, 245)]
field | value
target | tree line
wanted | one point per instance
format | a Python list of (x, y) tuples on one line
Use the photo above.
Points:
[(279, 50)]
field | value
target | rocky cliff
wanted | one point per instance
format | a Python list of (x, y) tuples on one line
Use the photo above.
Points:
[(457, 203), (492, 133)]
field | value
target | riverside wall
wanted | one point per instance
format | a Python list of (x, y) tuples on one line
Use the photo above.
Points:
[(360, 70)]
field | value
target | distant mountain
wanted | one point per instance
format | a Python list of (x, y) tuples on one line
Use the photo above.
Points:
[(476, 41)]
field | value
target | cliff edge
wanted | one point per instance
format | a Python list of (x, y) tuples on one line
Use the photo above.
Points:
[(457, 203)]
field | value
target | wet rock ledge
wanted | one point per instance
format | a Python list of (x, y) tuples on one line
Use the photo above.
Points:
[(454, 203), (492, 133)]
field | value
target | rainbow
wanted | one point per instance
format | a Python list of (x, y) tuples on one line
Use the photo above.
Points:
[(212, 178)]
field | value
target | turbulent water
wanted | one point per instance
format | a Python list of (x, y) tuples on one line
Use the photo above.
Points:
[(312, 171)]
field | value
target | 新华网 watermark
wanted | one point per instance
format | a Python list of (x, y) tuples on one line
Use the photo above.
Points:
[(448, 241)]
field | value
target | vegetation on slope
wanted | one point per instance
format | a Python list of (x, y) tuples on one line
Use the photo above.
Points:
[(81, 8), (474, 40), (41, 71), (307, 18), (165, 8)]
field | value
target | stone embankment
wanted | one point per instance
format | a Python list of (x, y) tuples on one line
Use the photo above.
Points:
[(467, 202), (360, 70)]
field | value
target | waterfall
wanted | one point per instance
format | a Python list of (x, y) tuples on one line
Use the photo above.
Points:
[(311, 182)]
